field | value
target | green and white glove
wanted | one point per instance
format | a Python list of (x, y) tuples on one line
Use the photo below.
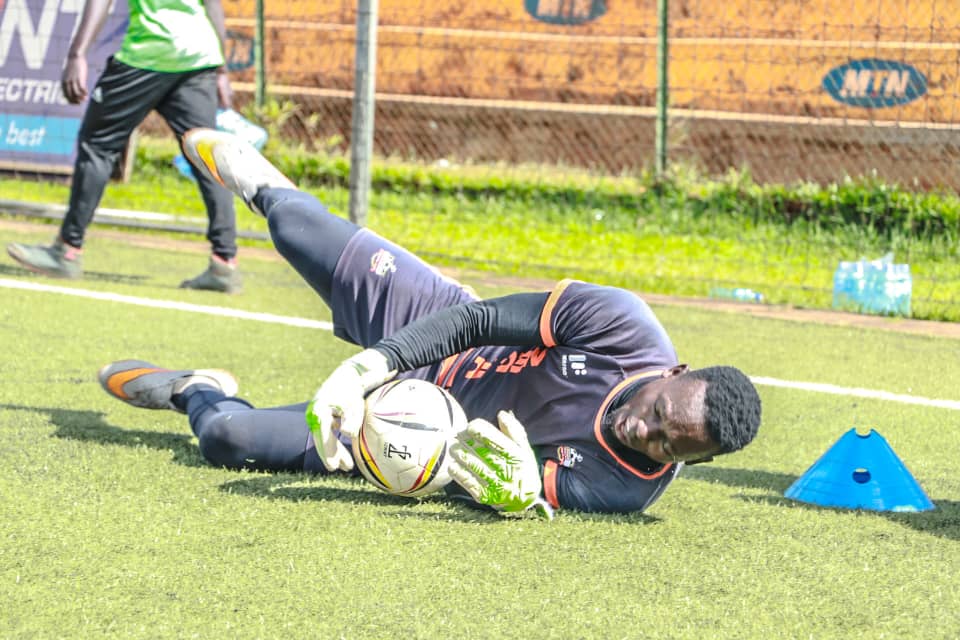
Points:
[(497, 467), (338, 405)]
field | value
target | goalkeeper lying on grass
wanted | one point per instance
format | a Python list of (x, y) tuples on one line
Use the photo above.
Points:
[(595, 412)]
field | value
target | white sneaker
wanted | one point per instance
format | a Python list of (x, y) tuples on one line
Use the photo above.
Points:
[(235, 164), (148, 386)]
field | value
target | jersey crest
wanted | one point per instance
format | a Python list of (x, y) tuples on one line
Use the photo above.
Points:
[(568, 456)]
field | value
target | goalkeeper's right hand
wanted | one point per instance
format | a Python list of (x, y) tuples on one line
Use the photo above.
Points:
[(338, 405)]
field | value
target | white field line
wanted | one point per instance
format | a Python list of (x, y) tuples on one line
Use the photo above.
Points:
[(857, 392), (169, 304), (816, 387)]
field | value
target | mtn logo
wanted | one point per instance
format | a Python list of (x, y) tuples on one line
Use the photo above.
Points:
[(875, 83), (565, 12)]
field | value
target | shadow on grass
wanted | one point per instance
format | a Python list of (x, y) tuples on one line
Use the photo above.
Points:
[(99, 276), (943, 522), (89, 426), (289, 487)]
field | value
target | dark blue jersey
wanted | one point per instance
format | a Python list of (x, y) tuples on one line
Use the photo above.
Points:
[(591, 346), (597, 341)]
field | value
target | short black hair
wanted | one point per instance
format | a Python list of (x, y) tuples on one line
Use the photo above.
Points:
[(732, 406)]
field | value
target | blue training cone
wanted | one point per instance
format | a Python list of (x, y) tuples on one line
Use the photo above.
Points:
[(860, 472)]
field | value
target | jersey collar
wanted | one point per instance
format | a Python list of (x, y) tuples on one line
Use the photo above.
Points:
[(634, 461)]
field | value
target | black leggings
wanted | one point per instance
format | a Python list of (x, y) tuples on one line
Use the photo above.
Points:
[(235, 435), (305, 233), (185, 100), (232, 432)]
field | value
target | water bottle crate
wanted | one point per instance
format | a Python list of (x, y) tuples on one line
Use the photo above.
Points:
[(879, 287)]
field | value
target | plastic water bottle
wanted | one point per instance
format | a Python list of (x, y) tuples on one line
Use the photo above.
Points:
[(897, 287), (848, 284), (740, 294), (901, 289)]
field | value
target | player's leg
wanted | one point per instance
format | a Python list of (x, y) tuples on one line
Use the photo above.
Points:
[(192, 103), (373, 286), (306, 234), (231, 432), (235, 435), (303, 230), (120, 101)]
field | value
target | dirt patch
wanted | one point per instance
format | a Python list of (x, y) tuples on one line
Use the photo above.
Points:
[(818, 316)]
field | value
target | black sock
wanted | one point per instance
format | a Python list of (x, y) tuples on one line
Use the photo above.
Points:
[(179, 400)]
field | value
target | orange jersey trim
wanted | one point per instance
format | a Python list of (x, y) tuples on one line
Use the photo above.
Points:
[(546, 327), (597, 425), (449, 370), (444, 368), (550, 483)]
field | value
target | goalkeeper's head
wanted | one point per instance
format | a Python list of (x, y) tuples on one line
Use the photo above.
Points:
[(732, 407), (689, 416)]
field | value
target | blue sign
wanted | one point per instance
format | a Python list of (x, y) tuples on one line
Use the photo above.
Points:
[(38, 127), (873, 83), (565, 12), (239, 51)]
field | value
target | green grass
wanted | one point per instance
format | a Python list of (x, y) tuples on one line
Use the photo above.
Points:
[(112, 525), (693, 237)]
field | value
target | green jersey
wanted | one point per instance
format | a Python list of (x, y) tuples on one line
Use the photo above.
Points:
[(170, 36)]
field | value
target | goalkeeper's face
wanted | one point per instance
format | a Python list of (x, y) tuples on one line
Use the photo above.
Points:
[(666, 419)]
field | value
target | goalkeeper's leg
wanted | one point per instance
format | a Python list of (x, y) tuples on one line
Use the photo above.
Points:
[(372, 285), (306, 234), (234, 434)]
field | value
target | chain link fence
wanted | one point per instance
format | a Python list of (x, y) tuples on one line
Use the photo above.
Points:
[(792, 90), (783, 91)]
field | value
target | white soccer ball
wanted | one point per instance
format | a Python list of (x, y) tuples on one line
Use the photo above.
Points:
[(402, 445)]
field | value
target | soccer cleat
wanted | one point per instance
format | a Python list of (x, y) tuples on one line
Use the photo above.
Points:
[(220, 276), (148, 386), (235, 164), (59, 260)]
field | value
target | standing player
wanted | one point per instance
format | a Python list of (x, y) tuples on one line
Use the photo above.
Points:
[(171, 60), (583, 379)]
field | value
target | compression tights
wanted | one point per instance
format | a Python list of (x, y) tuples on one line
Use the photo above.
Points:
[(232, 432), (306, 234)]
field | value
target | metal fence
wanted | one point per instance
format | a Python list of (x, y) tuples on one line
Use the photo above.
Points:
[(787, 90), (792, 90)]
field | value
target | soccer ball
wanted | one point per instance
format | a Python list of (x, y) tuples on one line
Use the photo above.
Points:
[(402, 444)]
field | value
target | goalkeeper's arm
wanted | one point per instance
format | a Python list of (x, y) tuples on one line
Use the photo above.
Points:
[(512, 320)]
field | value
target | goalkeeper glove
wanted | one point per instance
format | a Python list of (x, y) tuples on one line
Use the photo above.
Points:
[(497, 467), (340, 400)]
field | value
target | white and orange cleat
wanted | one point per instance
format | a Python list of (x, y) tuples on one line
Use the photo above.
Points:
[(235, 164), (148, 386)]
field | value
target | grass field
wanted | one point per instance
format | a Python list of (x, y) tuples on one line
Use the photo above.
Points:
[(698, 237), (112, 525)]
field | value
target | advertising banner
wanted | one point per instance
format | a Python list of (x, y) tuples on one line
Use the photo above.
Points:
[(38, 127)]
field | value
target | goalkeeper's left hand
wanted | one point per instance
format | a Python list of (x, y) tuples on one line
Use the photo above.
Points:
[(497, 467)]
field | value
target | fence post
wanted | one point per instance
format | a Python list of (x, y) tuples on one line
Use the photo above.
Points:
[(662, 87), (259, 68), (361, 137)]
